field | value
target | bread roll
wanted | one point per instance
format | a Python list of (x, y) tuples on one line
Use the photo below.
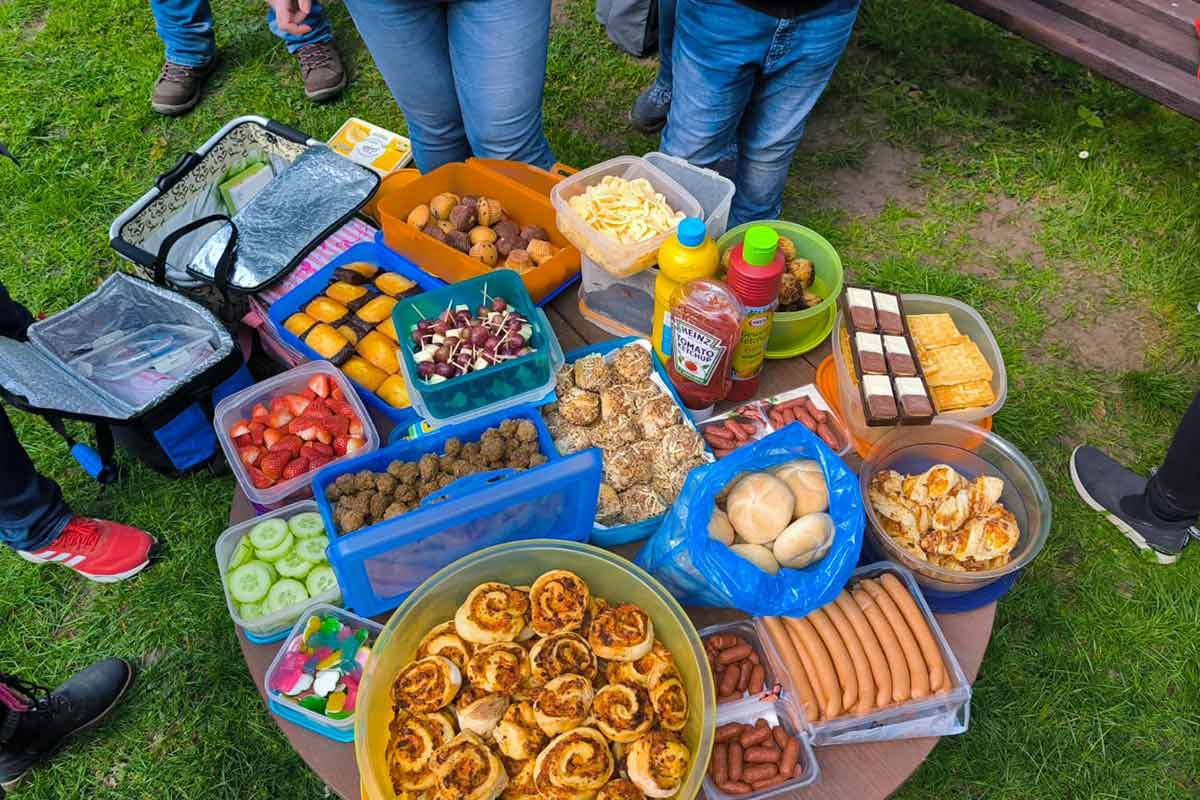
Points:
[(757, 555), (719, 527), (807, 482), (760, 507), (805, 541)]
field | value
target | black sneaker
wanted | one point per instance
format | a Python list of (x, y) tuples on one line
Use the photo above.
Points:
[(53, 716), (649, 112), (1107, 486)]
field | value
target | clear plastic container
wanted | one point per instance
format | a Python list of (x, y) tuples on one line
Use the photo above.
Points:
[(621, 306), (746, 629), (973, 452), (238, 406), (618, 259), (525, 379), (340, 730), (713, 191), (270, 627), (520, 563)]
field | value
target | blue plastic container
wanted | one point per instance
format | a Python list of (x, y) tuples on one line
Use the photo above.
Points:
[(298, 298), (379, 565), (523, 380)]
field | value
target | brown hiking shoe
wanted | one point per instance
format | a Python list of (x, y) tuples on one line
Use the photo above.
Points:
[(322, 70), (178, 88)]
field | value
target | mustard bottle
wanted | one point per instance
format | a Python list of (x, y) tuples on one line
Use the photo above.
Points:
[(686, 256)]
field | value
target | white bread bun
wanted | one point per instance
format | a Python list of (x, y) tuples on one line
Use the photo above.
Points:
[(760, 507), (719, 527), (807, 482), (805, 541), (757, 555)]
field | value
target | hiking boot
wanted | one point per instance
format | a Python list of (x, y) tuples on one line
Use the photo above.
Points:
[(322, 70), (38, 720), (178, 88), (649, 112), (99, 550), (1107, 486)]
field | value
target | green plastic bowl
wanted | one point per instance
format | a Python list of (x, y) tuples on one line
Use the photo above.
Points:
[(794, 333)]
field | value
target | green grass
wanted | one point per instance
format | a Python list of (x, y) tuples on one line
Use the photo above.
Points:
[(1091, 685)]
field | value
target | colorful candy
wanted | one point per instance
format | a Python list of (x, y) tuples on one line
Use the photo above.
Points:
[(321, 669)]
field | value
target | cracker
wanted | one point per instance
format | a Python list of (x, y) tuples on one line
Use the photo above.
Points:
[(958, 363), (848, 355), (930, 331), (972, 394)]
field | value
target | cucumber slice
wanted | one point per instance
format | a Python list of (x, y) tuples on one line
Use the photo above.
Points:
[(285, 594), (267, 534), (320, 580), (307, 523), (268, 566), (250, 582), (313, 549), (277, 552), (251, 611), (241, 554), (293, 565)]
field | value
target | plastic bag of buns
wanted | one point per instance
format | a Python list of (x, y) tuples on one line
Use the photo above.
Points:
[(690, 552)]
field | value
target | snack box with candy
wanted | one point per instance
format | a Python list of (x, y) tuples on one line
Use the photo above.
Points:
[(884, 355), (342, 313), (315, 677), (758, 418), (282, 464)]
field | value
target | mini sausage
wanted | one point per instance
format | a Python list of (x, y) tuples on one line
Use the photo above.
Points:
[(862, 670), (790, 758), (729, 680), (735, 787), (805, 418), (762, 755), (897, 664), (809, 669), (769, 782), (730, 730), (917, 668), (760, 772), (840, 656), (718, 767), (826, 675), (754, 736), (781, 737), (722, 641), (735, 654), (825, 431), (757, 676), (866, 637), (920, 629), (795, 667), (734, 757)]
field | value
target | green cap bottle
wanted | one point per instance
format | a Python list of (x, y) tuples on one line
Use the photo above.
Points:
[(759, 245)]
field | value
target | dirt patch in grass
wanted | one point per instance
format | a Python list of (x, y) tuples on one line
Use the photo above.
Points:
[(36, 25), (560, 13), (887, 173), (1008, 227)]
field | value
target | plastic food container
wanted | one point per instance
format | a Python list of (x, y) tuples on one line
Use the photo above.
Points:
[(618, 259), (238, 406), (436, 600), (270, 627), (379, 565), (797, 332), (340, 730), (521, 190), (299, 297), (972, 452), (525, 379), (713, 191)]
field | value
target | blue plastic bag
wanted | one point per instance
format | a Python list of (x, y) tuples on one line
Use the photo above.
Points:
[(704, 572)]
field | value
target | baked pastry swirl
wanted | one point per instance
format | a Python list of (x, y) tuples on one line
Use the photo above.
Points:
[(622, 713), (657, 763), (493, 612), (622, 632), (597, 605), (558, 600), (464, 768), (443, 640), (479, 711), (575, 764), (559, 654), (670, 702), (620, 789), (413, 741), (520, 781), (563, 703), (499, 667), (646, 671), (517, 734), (427, 684)]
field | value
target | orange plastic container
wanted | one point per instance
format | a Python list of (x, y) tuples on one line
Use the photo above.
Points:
[(522, 190)]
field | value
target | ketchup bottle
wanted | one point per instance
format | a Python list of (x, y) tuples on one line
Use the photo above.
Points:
[(706, 325), (755, 272)]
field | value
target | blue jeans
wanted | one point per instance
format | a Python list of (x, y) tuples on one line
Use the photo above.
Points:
[(666, 45), (468, 74), (743, 85), (186, 28), (32, 511)]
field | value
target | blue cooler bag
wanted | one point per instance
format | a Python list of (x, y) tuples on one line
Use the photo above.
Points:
[(704, 572)]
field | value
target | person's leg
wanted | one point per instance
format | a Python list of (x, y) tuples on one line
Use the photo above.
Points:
[(186, 29), (408, 40), (317, 20), (1174, 491), (802, 57), (649, 112), (321, 65), (500, 88), (32, 511)]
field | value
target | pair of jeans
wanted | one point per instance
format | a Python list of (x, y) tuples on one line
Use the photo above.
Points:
[(743, 84), (186, 29), (32, 510), (468, 74), (666, 46), (1173, 494)]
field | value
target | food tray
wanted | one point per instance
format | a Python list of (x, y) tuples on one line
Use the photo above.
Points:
[(612, 535), (619, 259), (298, 298), (766, 428), (295, 380), (270, 627), (525, 379), (377, 566), (340, 730)]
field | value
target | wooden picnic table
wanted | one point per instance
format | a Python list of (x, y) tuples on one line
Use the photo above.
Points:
[(860, 771)]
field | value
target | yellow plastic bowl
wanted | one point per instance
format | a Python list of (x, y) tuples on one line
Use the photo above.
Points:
[(519, 563)]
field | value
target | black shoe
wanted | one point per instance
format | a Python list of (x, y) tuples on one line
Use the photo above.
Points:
[(53, 716), (1108, 487), (649, 112)]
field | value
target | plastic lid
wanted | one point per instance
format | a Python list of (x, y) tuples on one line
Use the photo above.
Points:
[(691, 232), (759, 245)]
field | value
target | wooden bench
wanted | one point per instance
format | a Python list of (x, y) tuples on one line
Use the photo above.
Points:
[(1150, 46)]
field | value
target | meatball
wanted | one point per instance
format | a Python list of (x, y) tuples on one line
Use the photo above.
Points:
[(429, 466), (453, 447), (526, 431), (385, 484)]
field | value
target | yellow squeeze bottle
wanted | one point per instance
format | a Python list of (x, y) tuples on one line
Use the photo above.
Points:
[(686, 256)]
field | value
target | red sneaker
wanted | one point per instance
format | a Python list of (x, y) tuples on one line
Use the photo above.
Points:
[(99, 550)]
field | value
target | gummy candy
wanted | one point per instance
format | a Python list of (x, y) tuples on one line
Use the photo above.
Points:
[(312, 626), (329, 661), (331, 624), (314, 703), (335, 702), (325, 682)]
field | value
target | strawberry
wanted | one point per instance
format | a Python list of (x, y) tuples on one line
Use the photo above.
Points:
[(256, 432), (354, 443), (339, 445), (336, 424), (278, 404), (318, 460), (271, 436), (340, 407), (317, 407), (290, 443), (297, 404), (250, 455), (302, 423), (272, 463), (356, 427), (309, 393), (295, 468), (320, 385), (322, 448), (336, 393), (260, 412), (279, 419), (239, 429), (258, 478), (324, 436), (309, 433)]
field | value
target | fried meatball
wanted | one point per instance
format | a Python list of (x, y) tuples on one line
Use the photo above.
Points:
[(378, 505), (385, 484), (491, 448), (537, 459), (508, 427), (404, 471), (453, 447), (349, 520), (527, 431), (429, 466), (332, 492), (395, 510)]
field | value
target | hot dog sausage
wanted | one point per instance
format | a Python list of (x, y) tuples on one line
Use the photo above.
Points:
[(897, 665), (760, 772), (718, 766), (729, 680), (862, 670), (795, 667), (809, 669), (791, 757), (781, 737), (752, 737), (920, 629), (840, 656), (734, 654), (762, 755), (735, 761), (728, 731), (917, 668), (866, 637), (757, 676), (826, 675)]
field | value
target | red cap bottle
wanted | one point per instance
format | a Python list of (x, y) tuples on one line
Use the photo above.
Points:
[(755, 273)]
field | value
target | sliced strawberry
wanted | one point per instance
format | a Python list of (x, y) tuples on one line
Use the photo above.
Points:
[(336, 393), (297, 404), (256, 432), (279, 419), (321, 447), (279, 404), (290, 443), (260, 412), (356, 428), (239, 428), (272, 463), (243, 441), (310, 433), (340, 407), (320, 385), (317, 407), (339, 445), (309, 393), (295, 468), (324, 436), (336, 424), (271, 436), (354, 443), (318, 460), (300, 423), (259, 479), (250, 455)]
